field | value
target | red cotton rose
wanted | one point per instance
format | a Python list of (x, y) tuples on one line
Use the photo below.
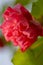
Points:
[(20, 27)]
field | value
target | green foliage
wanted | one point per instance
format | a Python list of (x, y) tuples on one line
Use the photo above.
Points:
[(24, 2), (37, 9), (37, 47), (41, 20), (33, 56), (21, 58)]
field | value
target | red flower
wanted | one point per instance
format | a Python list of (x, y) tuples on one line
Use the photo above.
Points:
[(20, 27)]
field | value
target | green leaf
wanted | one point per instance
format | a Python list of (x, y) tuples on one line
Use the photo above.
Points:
[(37, 47), (32, 56), (24, 2), (41, 20), (23, 58), (37, 9)]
